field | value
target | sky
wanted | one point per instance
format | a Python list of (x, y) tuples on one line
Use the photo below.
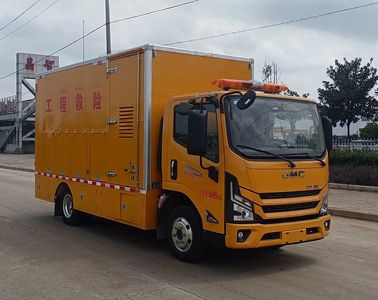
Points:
[(302, 50)]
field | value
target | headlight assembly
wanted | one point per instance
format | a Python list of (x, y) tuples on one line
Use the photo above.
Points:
[(324, 210), (242, 208)]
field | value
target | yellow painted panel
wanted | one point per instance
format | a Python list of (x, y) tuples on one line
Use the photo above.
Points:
[(97, 157), (84, 196), (49, 147), (132, 209), (74, 100), (61, 154), (42, 190), (123, 158), (79, 155), (109, 203)]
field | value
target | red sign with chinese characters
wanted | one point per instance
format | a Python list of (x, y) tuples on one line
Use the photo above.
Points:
[(63, 103), (97, 100), (210, 194), (79, 101), (29, 64), (48, 64), (48, 108)]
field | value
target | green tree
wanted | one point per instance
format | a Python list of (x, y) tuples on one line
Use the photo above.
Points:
[(370, 131), (346, 98), (290, 92)]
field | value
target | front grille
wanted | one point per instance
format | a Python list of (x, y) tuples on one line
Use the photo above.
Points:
[(289, 194), (289, 207), (260, 220)]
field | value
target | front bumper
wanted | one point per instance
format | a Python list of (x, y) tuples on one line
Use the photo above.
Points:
[(267, 235)]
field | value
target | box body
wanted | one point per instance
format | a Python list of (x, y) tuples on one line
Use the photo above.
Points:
[(97, 126)]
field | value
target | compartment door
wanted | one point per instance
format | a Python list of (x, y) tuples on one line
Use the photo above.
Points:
[(123, 121)]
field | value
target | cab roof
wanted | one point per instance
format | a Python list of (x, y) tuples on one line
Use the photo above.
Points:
[(218, 94)]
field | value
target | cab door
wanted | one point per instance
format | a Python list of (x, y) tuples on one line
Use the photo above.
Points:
[(123, 121), (183, 172)]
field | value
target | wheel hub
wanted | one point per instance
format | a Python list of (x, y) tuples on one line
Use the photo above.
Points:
[(182, 234), (67, 206)]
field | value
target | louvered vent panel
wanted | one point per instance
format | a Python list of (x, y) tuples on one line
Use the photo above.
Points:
[(126, 122)]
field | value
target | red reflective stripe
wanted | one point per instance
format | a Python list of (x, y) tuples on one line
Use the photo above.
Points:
[(92, 182)]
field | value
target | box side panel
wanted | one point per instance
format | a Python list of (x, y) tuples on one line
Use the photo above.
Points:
[(75, 144), (71, 105)]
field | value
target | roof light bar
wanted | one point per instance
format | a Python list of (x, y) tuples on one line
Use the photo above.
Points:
[(248, 84)]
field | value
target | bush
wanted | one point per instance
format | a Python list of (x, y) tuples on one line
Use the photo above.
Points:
[(354, 158), (349, 174), (354, 167)]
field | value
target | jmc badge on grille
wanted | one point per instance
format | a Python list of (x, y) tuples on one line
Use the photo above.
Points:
[(293, 174)]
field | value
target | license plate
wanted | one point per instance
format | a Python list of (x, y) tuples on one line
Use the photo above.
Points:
[(294, 236)]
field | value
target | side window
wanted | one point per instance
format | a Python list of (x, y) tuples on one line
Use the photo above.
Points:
[(180, 132), (181, 129)]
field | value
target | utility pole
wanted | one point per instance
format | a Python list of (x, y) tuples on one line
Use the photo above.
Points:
[(83, 42), (107, 23)]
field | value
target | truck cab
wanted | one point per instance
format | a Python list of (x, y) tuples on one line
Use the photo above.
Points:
[(243, 167)]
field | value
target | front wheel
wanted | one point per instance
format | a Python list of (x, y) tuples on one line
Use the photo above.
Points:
[(185, 234), (70, 215)]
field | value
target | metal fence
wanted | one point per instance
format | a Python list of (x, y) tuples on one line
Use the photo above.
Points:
[(8, 105), (365, 145)]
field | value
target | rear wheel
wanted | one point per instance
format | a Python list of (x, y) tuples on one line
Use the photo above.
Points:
[(184, 234), (70, 215)]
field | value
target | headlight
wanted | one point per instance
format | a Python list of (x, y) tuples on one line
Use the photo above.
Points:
[(324, 210), (242, 208)]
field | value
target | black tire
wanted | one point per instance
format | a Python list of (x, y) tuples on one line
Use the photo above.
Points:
[(184, 233), (70, 216)]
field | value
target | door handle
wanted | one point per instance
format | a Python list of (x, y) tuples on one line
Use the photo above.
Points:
[(132, 169), (173, 169), (111, 174)]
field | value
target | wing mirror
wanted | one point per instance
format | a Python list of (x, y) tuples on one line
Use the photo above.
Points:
[(197, 132), (246, 100), (327, 128)]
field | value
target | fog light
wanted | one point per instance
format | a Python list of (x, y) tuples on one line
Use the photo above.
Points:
[(243, 235), (327, 225)]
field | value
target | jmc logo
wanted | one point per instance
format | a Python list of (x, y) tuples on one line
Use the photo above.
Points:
[(293, 174)]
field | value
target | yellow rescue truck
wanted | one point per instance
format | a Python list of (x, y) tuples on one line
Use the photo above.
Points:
[(230, 162)]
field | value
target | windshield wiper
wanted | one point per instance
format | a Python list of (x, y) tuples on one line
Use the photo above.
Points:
[(323, 164), (291, 164)]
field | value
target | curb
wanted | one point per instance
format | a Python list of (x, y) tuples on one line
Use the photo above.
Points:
[(17, 168), (353, 187), (353, 215)]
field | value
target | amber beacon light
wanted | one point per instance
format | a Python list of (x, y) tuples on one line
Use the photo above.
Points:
[(248, 84)]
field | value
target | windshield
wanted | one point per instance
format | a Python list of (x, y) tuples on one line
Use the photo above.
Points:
[(282, 127)]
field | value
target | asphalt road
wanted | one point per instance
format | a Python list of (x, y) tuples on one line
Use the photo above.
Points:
[(40, 257)]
